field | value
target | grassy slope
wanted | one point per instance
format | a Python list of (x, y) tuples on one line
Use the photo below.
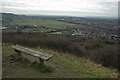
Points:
[(67, 66)]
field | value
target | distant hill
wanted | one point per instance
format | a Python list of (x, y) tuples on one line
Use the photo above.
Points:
[(10, 20), (9, 17)]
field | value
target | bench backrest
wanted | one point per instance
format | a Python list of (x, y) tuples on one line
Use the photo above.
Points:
[(40, 55)]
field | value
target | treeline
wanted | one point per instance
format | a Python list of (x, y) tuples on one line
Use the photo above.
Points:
[(101, 52)]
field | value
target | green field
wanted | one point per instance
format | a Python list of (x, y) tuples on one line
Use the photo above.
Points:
[(53, 24), (65, 66), (50, 23), (47, 23)]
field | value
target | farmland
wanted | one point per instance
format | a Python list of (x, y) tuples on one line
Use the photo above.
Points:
[(47, 23), (11, 21)]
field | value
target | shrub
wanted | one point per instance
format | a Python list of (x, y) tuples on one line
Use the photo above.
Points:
[(98, 51), (109, 42)]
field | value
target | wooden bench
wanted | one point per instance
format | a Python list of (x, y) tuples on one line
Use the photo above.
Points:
[(42, 56)]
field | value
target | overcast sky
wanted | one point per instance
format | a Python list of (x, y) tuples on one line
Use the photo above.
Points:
[(62, 7)]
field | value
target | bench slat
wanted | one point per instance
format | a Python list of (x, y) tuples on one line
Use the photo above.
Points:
[(32, 52)]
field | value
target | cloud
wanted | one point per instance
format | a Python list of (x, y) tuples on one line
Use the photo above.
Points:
[(98, 7)]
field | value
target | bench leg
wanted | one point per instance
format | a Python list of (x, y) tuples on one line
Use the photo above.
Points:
[(18, 52), (41, 61)]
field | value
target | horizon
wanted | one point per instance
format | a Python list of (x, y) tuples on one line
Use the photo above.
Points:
[(79, 8), (99, 17)]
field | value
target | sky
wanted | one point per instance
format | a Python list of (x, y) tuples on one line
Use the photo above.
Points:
[(107, 8)]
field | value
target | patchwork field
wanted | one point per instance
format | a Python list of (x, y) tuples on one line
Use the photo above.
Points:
[(27, 20)]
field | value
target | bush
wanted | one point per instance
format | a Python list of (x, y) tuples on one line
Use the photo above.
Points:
[(99, 52), (107, 56), (109, 42), (61, 43), (96, 45)]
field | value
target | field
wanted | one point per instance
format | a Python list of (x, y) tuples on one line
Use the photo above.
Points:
[(64, 65), (48, 25), (47, 22)]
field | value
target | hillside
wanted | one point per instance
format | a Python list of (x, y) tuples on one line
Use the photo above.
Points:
[(62, 64), (21, 20), (11, 20)]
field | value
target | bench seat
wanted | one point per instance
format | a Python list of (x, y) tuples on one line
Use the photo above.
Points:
[(40, 55)]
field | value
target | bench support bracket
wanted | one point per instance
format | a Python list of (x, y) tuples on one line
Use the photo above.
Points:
[(41, 61), (18, 52)]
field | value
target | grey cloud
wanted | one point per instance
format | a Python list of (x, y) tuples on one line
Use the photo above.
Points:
[(108, 4), (26, 7), (14, 4)]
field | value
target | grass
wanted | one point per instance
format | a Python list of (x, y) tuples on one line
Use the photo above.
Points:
[(65, 65), (47, 23), (43, 22)]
